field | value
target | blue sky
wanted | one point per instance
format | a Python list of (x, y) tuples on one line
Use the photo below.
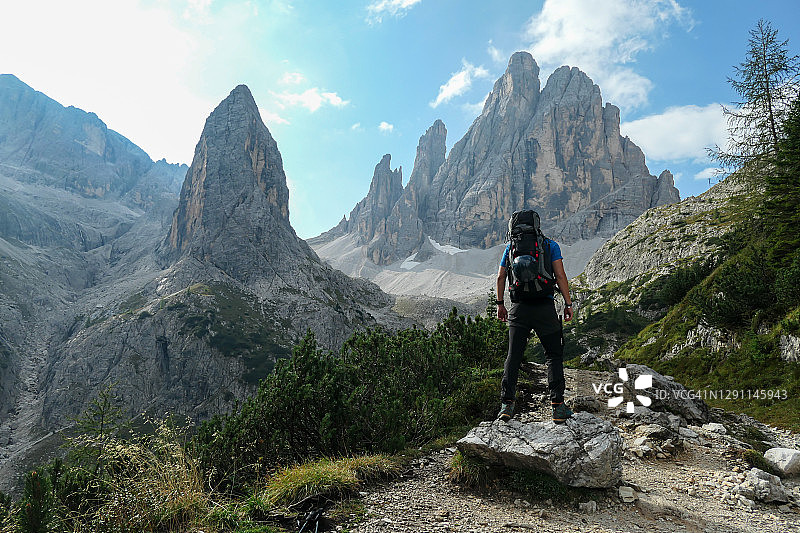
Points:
[(340, 83)]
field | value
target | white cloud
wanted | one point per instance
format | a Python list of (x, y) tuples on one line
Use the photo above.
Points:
[(385, 127), (292, 78), (198, 10), (271, 118), (356, 127), (707, 173), (312, 99), (459, 83), (679, 133), (601, 40), (395, 8), (625, 86), (496, 55), (475, 109)]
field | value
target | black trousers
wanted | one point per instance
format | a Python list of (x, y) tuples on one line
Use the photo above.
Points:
[(539, 316)]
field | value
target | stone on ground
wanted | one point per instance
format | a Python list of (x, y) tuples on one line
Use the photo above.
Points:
[(762, 486), (785, 460), (586, 451), (667, 395)]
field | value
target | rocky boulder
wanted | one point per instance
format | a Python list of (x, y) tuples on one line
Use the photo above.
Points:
[(784, 460), (667, 394), (586, 451), (762, 486)]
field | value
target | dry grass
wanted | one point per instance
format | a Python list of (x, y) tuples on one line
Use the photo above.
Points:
[(331, 478), (470, 472), (155, 484)]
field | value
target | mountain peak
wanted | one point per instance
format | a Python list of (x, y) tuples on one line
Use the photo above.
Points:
[(522, 62), (9, 80), (520, 80), (235, 184), (239, 104)]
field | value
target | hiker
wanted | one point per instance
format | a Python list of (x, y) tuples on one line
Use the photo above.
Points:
[(534, 268)]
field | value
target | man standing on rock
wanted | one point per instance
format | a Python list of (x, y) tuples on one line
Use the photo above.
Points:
[(534, 268)]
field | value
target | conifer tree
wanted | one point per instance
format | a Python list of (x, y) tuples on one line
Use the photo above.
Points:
[(782, 189), (767, 83)]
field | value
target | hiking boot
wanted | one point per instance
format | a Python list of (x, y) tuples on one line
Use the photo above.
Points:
[(506, 411), (561, 412)]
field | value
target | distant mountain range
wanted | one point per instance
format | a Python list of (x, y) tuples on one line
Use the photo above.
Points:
[(556, 149)]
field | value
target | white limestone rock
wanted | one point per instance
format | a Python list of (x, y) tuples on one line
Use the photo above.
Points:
[(586, 451), (785, 460), (762, 486)]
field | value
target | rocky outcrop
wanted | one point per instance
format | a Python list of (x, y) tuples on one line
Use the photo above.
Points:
[(666, 394), (405, 231), (789, 346), (368, 219), (665, 236), (233, 210), (238, 288), (233, 215), (586, 451), (387, 221), (557, 150), (762, 486)]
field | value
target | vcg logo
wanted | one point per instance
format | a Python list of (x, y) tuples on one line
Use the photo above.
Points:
[(642, 382)]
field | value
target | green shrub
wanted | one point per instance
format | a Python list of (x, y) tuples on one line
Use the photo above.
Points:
[(742, 286), (331, 478), (470, 472), (537, 485), (5, 510), (756, 459), (671, 288), (383, 392), (36, 506), (617, 319), (787, 284)]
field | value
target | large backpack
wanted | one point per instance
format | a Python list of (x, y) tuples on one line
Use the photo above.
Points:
[(530, 266)]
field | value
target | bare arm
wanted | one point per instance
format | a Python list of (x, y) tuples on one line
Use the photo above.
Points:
[(563, 286), (502, 313)]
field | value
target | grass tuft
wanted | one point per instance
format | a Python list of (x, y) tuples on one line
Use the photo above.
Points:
[(756, 459), (334, 479), (470, 472)]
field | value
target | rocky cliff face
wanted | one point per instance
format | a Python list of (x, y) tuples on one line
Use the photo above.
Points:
[(665, 237), (237, 289), (43, 142), (387, 221), (234, 204), (71, 193), (557, 150), (627, 270)]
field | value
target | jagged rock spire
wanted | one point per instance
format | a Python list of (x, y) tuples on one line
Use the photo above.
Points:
[(235, 194)]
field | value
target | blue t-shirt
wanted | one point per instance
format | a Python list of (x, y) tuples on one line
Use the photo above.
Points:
[(555, 255)]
